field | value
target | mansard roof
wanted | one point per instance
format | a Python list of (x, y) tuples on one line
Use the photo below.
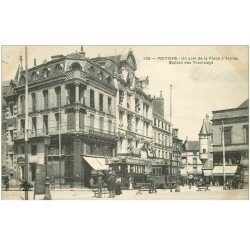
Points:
[(76, 56), (118, 59), (245, 104)]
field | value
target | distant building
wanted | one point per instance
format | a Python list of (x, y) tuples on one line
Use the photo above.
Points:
[(191, 163), (161, 129), (205, 144), (236, 134), (176, 150)]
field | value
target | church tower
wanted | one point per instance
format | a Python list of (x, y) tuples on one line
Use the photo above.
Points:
[(204, 144)]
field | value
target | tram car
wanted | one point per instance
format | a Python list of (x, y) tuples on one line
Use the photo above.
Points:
[(160, 174)]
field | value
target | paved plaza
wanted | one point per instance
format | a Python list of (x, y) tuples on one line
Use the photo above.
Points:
[(215, 193)]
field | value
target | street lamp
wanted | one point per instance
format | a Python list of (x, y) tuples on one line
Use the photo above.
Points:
[(47, 195)]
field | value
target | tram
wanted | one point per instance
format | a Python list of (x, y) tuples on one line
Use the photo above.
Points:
[(144, 172)]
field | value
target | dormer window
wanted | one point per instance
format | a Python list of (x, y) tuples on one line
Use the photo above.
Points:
[(58, 69), (91, 69), (102, 63), (100, 75), (34, 76), (75, 66), (46, 73), (22, 80), (108, 79)]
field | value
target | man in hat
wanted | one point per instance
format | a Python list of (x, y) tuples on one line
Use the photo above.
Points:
[(111, 185), (100, 184)]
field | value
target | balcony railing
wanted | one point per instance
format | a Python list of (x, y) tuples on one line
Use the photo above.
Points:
[(76, 74), (100, 132), (65, 130)]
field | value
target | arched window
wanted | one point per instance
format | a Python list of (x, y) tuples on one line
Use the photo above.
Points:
[(109, 79), (100, 75), (58, 69), (91, 69), (46, 73), (34, 76), (22, 80), (75, 66)]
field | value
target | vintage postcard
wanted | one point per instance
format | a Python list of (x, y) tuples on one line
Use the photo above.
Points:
[(125, 122)]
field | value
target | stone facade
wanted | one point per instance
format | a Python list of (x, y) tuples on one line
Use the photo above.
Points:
[(236, 133), (191, 162), (98, 108), (161, 130), (83, 94)]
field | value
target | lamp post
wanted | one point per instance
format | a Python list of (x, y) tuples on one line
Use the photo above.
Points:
[(47, 195)]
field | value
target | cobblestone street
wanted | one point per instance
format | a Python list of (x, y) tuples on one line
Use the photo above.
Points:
[(215, 193)]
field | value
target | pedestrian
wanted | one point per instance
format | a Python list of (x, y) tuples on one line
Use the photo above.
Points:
[(118, 184), (190, 181), (152, 188), (201, 182), (182, 181), (7, 182), (130, 182), (237, 182), (100, 184), (91, 181), (111, 185)]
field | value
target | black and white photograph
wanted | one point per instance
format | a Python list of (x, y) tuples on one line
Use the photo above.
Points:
[(124, 125), (125, 122)]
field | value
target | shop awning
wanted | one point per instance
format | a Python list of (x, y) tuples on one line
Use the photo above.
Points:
[(207, 172), (96, 163), (229, 170), (102, 161)]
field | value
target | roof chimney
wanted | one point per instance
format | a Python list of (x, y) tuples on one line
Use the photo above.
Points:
[(161, 94), (82, 52), (186, 144), (34, 62)]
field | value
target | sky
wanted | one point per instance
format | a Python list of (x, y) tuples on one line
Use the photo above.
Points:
[(197, 89)]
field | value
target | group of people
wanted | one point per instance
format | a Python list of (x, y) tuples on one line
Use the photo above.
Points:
[(114, 183), (233, 182)]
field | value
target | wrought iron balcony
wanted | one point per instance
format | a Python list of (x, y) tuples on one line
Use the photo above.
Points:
[(76, 74), (101, 132), (66, 129)]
